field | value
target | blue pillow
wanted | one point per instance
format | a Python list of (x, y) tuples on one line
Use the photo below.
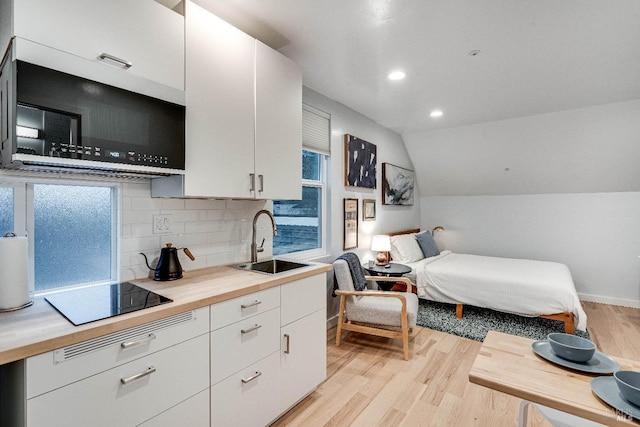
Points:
[(427, 244)]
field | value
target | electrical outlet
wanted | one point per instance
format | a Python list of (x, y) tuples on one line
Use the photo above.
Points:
[(162, 224)]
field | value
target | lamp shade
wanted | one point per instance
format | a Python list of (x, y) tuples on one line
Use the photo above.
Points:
[(381, 243)]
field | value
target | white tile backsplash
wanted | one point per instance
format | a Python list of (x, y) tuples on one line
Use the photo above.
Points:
[(217, 232)]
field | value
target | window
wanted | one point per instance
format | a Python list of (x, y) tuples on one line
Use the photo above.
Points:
[(302, 223), (71, 231)]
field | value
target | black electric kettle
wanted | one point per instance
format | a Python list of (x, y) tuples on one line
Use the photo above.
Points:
[(168, 267)]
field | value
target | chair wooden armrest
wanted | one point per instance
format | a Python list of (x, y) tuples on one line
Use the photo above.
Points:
[(404, 280), (376, 294)]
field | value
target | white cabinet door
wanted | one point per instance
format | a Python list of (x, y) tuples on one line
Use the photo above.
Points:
[(303, 360), (143, 32), (154, 384), (278, 125), (219, 107), (249, 397)]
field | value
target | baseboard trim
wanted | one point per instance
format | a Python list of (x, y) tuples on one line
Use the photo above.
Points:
[(609, 300), (332, 321)]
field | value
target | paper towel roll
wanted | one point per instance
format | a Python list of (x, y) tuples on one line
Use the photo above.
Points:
[(14, 281)]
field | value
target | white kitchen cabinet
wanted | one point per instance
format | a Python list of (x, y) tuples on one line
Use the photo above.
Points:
[(258, 375), (304, 338), (243, 116), (124, 378), (137, 46)]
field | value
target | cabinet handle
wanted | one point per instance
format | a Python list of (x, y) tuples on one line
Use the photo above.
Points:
[(150, 370), (126, 64), (251, 329), (251, 378), (261, 179), (129, 344), (253, 304), (252, 178), (287, 348)]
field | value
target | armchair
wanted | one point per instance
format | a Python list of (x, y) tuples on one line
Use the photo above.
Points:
[(386, 314)]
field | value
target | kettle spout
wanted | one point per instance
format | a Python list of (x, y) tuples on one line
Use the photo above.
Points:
[(146, 261)]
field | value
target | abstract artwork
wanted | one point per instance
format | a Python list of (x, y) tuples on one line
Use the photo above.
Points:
[(350, 224), (397, 185), (359, 162)]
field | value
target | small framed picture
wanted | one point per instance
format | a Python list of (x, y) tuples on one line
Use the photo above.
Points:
[(350, 224), (368, 209)]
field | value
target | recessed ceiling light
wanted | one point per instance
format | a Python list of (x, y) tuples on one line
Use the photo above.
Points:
[(436, 113), (397, 75)]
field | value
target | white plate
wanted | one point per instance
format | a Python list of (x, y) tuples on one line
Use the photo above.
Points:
[(607, 390), (600, 363)]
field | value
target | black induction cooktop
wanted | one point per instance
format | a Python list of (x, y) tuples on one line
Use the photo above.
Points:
[(93, 303)]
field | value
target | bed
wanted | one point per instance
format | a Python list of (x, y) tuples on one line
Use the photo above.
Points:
[(519, 286)]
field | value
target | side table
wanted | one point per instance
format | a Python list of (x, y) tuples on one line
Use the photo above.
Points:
[(392, 269)]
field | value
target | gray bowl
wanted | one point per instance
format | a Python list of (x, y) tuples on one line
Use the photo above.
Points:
[(571, 347), (629, 385)]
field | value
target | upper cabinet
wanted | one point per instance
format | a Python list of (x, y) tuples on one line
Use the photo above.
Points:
[(243, 116), (136, 45)]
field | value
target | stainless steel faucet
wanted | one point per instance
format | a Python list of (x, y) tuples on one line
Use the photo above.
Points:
[(254, 248)]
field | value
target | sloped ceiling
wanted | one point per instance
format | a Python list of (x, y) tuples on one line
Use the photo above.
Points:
[(535, 58)]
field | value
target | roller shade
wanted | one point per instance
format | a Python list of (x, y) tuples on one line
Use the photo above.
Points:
[(316, 130)]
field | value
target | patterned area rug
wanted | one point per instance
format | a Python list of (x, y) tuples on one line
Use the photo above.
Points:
[(476, 322)]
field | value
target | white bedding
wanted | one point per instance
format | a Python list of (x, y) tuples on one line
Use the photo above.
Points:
[(523, 287)]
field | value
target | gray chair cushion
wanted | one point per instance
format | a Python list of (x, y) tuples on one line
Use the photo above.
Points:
[(374, 310)]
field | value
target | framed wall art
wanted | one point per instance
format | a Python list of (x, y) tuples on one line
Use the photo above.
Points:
[(350, 224), (368, 209), (360, 160), (397, 185)]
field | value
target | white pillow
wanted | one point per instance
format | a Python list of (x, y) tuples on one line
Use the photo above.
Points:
[(405, 248)]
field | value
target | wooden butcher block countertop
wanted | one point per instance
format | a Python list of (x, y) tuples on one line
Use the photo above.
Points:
[(40, 328)]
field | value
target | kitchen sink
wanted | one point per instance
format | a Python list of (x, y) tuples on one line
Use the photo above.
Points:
[(271, 266)]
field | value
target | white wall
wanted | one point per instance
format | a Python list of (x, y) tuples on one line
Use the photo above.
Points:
[(596, 235)]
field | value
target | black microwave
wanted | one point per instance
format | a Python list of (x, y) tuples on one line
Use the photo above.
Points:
[(72, 122)]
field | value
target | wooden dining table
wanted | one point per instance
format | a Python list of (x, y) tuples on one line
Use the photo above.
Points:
[(508, 364)]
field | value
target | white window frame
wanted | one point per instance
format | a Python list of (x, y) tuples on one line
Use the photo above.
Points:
[(322, 184), (24, 223)]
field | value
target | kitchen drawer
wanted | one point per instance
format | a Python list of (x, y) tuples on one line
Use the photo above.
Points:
[(303, 297), (237, 346), (251, 403), (103, 400), (193, 412), (57, 368), (233, 310)]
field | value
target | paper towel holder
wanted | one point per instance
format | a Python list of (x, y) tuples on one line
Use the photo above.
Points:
[(30, 303)]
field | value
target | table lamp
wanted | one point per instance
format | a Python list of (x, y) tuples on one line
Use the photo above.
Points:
[(382, 244)]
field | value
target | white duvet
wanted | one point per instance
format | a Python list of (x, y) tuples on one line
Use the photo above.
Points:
[(519, 286)]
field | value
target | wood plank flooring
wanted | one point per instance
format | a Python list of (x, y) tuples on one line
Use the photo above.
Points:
[(369, 384)]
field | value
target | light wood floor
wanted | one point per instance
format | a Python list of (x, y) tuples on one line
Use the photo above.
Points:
[(369, 384)]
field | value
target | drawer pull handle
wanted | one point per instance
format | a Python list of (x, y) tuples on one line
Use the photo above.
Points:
[(150, 370), (251, 378), (287, 349), (251, 329), (129, 344), (125, 64), (251, 304)]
